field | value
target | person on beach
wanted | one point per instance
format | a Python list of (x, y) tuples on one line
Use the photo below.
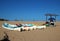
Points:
[(51, 21)]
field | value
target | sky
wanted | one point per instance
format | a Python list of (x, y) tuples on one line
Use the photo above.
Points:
[(28, 9)]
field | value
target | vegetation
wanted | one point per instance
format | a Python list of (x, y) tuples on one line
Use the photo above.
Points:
[(1, 19)]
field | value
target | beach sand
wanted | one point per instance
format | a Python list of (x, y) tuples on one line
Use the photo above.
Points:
[(48, 34)]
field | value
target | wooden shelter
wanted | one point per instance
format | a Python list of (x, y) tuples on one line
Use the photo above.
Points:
[(48, 14)]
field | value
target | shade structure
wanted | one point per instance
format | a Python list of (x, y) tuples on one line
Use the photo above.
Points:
[(49, 14)]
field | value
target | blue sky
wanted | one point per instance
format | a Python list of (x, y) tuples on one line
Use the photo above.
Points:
[(28, 9)]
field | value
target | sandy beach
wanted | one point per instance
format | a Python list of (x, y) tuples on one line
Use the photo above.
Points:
[(48, 34)]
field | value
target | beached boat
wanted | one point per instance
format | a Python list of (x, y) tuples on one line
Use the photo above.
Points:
[(19, 28)]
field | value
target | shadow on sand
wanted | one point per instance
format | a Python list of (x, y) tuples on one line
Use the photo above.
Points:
[(6, 38)]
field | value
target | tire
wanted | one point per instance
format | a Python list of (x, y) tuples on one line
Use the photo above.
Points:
[(28, 29), (21, 30)]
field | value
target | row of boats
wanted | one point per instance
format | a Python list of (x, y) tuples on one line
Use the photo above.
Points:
[(22, 27)]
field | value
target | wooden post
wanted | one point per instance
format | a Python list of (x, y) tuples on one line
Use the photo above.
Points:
[(46, 18), (55, 18)]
